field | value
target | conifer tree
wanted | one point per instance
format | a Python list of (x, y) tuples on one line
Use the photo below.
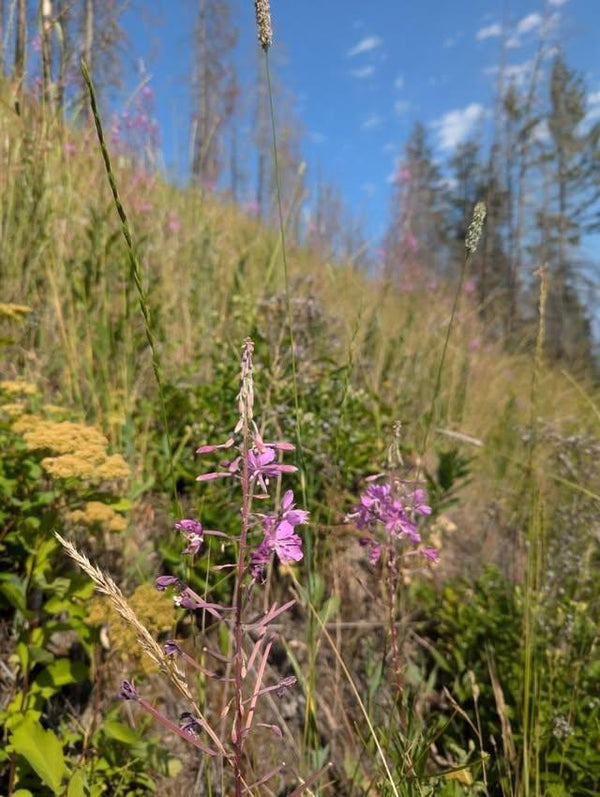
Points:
[(416, 235), (571, 160)]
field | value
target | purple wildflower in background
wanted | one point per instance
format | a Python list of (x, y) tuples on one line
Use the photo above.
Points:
[(162, 582), (174, 224), (171, 648), (189, 724), (394, 508), (128, 691)]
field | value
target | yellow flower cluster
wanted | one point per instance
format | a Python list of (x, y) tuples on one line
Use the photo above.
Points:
[(13, 312), (80, 450), (96, 513), (15, 387), (154, 610), (13, 410)]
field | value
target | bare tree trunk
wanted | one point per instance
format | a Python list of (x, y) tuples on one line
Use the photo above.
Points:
[(88, 33), (46, 29), (62, 17), (202, 141), (19, 70), (1, 37)]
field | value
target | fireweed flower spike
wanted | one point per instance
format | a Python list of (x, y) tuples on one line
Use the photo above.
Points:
[(387, 514), (254, 464)]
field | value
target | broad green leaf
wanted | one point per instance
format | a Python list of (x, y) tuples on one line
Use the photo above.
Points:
[(77, 785), (42, 751), (13, 589), (119, 732), (62, 672)]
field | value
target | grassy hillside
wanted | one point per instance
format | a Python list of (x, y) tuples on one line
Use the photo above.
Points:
[(497, 641)]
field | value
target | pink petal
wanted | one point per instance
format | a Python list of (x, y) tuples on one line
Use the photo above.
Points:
[(287, 500), (209, 477)]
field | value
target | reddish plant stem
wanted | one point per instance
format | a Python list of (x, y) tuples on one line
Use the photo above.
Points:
[(392, 590), (238, 742)]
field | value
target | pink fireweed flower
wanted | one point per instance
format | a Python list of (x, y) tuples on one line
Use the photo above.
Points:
[(390, 508), (261, 462), (128, 691), (411, 241), (430, 553), (280, 537), (173, 223), (192, 531)]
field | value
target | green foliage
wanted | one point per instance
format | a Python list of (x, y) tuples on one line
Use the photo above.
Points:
[(50, 643), (477, 654)]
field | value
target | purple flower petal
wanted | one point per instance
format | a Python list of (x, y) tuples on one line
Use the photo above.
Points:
[(162, 582), (128, 691), (209, 477)]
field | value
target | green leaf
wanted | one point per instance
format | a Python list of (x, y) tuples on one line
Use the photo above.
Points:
[(77, 785), (13, 590), (62, 672), (119, 732), (42, 751)]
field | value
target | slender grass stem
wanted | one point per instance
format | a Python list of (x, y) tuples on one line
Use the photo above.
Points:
[(135, 271), (314, 613)]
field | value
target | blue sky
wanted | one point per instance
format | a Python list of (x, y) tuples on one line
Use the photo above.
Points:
[(363, 73)]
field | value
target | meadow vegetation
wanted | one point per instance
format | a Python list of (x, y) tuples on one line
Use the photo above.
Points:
[(470, 670)]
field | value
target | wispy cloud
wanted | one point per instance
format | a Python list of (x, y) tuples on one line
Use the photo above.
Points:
[(401, 106), (455, 126), (514, 73), (365, 45), (557, 3), (316, 138), (529, 23), (399, 82), (363, 72), (593, 107), (371, 122), (370, 189), (541, 132), (489, 32)]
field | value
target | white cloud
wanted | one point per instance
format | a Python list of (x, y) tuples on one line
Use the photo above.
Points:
[(401, 106), (449, 42), (489, 32), (363, 72), (453, 127), (593, 110), (399, 82), (541, 132), (513, 73), (371, 122), (366, 45), (557, 3), (529, 23)]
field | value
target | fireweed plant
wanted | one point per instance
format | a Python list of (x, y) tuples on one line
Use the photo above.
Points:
[(387, 516), (263, 535)]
